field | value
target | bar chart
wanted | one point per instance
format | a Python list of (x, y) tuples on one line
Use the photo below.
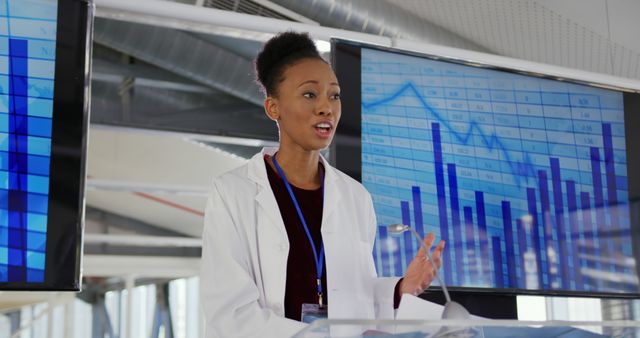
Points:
[(27, 60), (524, 178)]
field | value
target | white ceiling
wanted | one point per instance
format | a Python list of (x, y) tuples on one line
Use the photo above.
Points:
[(569, 33)]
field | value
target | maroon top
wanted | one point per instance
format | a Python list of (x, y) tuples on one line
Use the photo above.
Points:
[(301, 269)]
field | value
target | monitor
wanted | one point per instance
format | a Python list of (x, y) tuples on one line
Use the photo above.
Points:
[(44, 58), (532, 180)]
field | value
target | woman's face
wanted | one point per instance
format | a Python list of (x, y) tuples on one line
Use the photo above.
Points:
[(307, 107)]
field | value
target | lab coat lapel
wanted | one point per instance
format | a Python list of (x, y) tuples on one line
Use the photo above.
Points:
[(272, 240), (268, 206), (331, 200), (350, 295), (336, 239)]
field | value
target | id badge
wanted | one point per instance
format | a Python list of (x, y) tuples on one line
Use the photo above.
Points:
[(312, 312)]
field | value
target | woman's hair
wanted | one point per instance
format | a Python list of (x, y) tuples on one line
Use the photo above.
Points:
[(280, 52)]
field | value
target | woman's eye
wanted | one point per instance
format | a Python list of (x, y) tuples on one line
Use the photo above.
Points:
[(309, 95), (335, 96)]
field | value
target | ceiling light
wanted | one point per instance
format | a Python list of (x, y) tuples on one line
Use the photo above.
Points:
[(323, 46)]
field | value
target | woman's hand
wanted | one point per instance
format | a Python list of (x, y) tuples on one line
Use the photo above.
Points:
[(421, 271)]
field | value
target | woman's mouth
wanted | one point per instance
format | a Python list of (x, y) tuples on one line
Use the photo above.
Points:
[(323, 129)]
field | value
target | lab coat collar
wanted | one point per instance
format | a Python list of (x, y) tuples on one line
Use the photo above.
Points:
[(257, 172)]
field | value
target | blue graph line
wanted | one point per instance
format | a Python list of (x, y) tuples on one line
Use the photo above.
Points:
[(519, 170)]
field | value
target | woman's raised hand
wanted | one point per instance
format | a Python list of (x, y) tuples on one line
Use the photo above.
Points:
[(421, 271)]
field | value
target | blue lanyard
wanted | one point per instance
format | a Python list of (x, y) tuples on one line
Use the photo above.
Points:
[(318, 261)]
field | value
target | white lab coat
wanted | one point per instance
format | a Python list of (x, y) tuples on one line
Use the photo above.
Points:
[(245, 249)]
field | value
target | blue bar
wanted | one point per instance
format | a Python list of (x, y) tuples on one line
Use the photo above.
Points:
[(563, 266), (610, 169), (572, 204), (590, 233), (604, 231), (18, 131), (442, 201), (610, 173), (596, 175), (408, 237), (384, 254), (455, 222), (497, 263), (471, 245), (482, 235), (417, 210), (522, 245), (508, 236), (533, 212), (547, 226), (406, 214)]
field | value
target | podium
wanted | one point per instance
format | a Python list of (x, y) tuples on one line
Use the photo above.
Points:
[(469, 329)]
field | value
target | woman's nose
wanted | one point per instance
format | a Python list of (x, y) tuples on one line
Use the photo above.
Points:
[(324, 107)]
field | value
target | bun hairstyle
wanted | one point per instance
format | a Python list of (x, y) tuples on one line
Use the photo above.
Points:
[(280, 52)]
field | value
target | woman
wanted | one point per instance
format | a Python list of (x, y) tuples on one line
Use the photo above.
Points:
[(287, 229)]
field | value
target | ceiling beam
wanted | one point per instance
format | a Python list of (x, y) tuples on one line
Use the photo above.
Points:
[(140, 266), (181, 111), (127, 250), (144, 75), (125, 223), (183, 54)]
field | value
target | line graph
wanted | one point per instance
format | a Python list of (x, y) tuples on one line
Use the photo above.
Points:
[(522, 169), (524, 178)]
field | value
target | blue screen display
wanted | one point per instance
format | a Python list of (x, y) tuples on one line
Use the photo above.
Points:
[(27, 66), (525, 178)]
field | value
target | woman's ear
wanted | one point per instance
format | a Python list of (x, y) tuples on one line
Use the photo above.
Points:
[(271, 108)]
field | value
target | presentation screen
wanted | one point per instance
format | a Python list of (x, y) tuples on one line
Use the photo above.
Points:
[(530, 180), (43, 119)]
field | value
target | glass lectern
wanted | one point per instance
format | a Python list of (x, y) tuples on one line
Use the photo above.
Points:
[(469, 329)]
